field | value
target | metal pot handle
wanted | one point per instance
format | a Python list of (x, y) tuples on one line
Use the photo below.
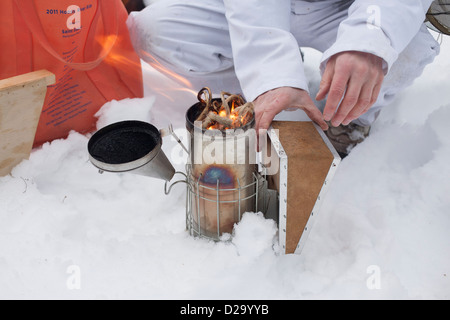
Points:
[(167, 190)]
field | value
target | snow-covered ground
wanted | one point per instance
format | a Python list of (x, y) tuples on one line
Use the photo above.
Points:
[(67, 232)]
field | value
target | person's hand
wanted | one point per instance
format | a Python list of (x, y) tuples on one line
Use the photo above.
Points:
[(356, 79), (269, 104)]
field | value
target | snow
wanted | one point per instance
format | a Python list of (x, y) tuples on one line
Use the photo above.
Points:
[(68, 232)]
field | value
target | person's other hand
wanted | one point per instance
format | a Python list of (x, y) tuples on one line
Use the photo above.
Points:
[(356, 79), (272, 102)]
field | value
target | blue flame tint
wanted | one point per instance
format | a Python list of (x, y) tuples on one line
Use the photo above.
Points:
[(214, 174)]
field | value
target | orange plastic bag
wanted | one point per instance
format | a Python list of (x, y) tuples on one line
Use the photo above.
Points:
[(85, 43)]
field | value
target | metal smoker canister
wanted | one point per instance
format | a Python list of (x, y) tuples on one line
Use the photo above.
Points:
[(221, 176)]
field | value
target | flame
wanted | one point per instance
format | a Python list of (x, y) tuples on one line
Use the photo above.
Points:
[(149, 65), (158, 66), (237, 121)]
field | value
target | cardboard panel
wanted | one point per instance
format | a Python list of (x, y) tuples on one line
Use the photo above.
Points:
[(21, 101)]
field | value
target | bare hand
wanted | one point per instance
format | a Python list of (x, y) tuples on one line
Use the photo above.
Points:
[(269, 104), (356, 79)]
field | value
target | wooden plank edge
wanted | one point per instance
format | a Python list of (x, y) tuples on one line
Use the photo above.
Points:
[(26, 79)]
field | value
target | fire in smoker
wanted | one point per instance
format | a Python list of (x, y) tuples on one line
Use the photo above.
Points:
[(231, 113), (222, 173)]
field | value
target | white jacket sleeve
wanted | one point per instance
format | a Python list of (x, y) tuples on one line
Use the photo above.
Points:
[(383, 28), (266, 55)]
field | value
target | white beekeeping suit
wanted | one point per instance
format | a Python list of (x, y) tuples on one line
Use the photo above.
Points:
[(259, 40)]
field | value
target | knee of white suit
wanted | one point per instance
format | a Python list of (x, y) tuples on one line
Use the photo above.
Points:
[(190, 38)]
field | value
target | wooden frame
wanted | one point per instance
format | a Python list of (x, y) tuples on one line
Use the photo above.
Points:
[(307, 163), (21, 102)]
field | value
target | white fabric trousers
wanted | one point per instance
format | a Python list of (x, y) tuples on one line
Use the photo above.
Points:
[(191, 38)]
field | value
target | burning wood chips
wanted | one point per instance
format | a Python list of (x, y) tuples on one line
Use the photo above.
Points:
[(231, 113)]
